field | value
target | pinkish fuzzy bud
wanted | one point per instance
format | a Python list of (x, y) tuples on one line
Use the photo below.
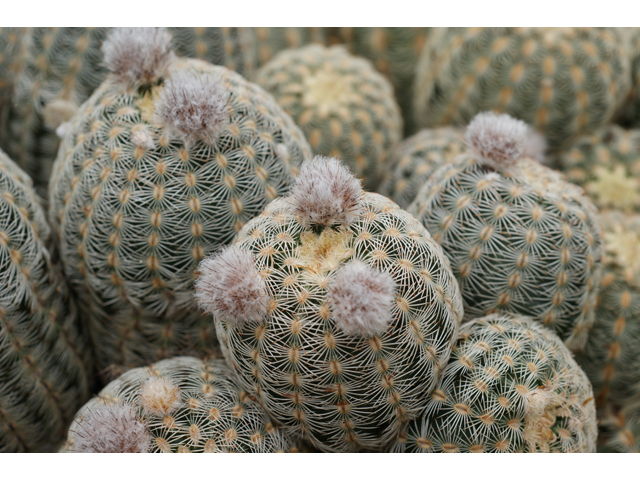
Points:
[(141, 138), (159, 396), (361, 299), (497, 140), (138, 55), (534, 145), (326, 193), (112, 429), (230, 287)]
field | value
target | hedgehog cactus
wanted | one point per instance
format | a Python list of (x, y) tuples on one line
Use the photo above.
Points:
[(520, 238), (165, 162), (271, 40), (510, 386), (565, 81), (178, 405), (607, 164), (345, 108), (336, 309), (611, 357), (44, 374)]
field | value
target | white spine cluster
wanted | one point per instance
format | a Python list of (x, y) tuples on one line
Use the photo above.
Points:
[(112, 429), (230, 288), (194, 105), (325, 193), (361, 299), (160, 396), (497, 140), (138, 55)]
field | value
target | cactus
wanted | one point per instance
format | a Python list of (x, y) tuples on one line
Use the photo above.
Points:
[(510, 386), (620, 430), (607, 164), (163, 164), (394, 52), (629, 114), (12, 55), (413, 161), (611, 357), (564, 81), (44, 375), (177, 405), (345, 108), (271, 40), (520, 238), (336, 309)]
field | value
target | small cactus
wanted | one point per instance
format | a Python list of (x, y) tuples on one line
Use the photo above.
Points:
[(341, 314), (510, 386)]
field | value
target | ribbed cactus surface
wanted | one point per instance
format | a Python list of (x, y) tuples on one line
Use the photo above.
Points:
[(271, 40), (44, 364)]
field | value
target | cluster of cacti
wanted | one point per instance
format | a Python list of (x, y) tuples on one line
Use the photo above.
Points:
[(179, 405), (520, 239), (271, 40), (510, 386), (564, 81), (166, 161), (336, 309), (607, 164), (44, 359), (345, 108)]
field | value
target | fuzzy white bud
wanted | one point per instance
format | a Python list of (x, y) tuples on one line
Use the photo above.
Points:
[(141, 138), (160, 396), (63, 129), (112, 429), (534, 145)]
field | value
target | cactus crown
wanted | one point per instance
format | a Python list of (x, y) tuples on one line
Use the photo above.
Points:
[(112, 429)]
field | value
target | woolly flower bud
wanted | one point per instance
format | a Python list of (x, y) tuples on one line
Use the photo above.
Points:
[(534, 145), (142, 139), (326, 192), (361, 299), (137, 55), (159, 396), (497, 139), (113, 429), (230, 287), (194, 105)]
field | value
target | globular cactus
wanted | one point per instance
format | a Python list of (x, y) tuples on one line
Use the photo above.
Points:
[(166, 161), (566, 82), (520, 238), (45, 368), (345, 108), (394, 52), (607, 164), (271, 40), (510, 386), (178, 405), (611, 357), (336, 309), (413, 161)]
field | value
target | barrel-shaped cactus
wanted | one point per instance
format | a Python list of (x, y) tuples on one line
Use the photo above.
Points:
[(336, 309), (607, 164), (510, 386), (345, 108), (271, 40), (566, 82), (519, 237), (166, 161), (178, 405), (45, 369)]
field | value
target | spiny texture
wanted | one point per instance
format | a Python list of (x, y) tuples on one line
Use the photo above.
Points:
[(345, 108), (607, 164), (213, 414), (611, 357), (344, 391), (44, 364), (136, 209), (566, 82), (510, 386), (160, 396), (526, 242), (620, 431), (394, 52), (629, 114), (271, 40), (13, 48), (415, 159)]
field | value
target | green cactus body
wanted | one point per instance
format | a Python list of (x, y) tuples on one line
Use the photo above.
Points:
[(210, 414), (345, 108), (510, 386), (413, 161), (607, 164), (136, 208), (272, 40), (564, 82), (611, 357), (524, 242), (44, 369), (344, 392), (394, 52)]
